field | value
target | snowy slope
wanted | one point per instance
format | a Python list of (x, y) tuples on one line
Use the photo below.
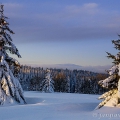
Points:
[(58, 106)]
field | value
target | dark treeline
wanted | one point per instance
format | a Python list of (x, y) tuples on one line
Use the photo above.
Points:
[(70, 81)]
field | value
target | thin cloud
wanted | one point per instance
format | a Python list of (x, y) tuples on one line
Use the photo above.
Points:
[(69, 23), (12, 5), (90, 5), (88, 8)]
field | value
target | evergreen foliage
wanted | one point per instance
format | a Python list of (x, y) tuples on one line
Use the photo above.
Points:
[(112, 83), (48, 83), (64, 80), (10, 88)]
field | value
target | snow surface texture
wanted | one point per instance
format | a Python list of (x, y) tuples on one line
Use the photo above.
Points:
[(59, 106)]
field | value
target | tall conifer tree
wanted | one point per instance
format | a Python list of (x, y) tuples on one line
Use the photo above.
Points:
[(112, 83), (48, 83), (10, 88)]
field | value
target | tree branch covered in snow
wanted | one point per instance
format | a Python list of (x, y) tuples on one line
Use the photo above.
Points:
[(10, 88), (113, 81)]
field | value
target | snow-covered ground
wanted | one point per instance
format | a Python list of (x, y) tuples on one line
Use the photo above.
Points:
[(59, 106)]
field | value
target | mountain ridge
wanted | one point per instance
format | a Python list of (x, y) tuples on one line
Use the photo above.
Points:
[(99, 69)]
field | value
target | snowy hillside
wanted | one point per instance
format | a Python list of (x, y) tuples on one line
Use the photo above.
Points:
[(58, 106)]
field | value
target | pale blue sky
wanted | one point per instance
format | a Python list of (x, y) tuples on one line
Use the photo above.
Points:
[(64, 31)]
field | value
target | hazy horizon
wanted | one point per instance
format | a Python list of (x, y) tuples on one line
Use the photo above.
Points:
[(64, 31), (98, 69)]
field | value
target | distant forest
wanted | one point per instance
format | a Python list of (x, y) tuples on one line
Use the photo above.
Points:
[(65, 80)]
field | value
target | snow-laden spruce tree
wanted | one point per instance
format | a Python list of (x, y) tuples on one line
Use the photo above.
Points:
[(67, 86), (10, 88), (112, 97), (48, 83)]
